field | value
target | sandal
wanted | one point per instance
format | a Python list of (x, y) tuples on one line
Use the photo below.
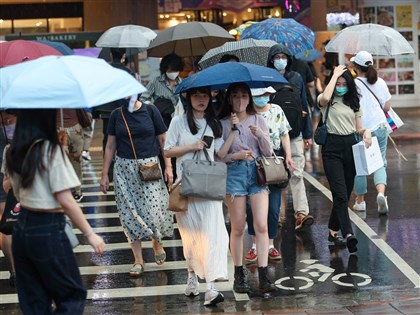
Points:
[(137, 271), (159, 258)]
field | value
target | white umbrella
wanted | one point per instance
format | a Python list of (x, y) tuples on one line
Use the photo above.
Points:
[(248, 50), (64, 82), (376, 39), (127, 36)]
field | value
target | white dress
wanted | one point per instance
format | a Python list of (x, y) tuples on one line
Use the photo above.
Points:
[(203, 232)]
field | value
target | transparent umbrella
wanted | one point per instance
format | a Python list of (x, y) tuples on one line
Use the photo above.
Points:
[(376, 39)]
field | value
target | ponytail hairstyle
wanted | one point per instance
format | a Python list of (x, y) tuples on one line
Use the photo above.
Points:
[(370, 73)]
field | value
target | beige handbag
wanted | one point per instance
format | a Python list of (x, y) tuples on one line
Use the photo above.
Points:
[(177, 202)]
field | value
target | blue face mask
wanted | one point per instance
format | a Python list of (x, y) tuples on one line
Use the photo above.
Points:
[(280, 64), (261, 101), (340, 91)]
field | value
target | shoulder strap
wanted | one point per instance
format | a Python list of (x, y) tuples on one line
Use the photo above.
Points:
[(370, 92), (129, 136)]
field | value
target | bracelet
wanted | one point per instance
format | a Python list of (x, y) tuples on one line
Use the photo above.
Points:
[(88, 233), (235, 128)]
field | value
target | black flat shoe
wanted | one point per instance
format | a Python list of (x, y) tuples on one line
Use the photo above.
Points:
[(12, 279), (337, 240), (351, 242)]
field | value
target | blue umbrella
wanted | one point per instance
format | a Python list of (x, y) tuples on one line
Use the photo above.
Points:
[(297, 37), (309, 55), (64, 82), (221, 75), (61, 47)]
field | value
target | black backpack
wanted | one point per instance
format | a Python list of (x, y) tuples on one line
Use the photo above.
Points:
[(288, 98)]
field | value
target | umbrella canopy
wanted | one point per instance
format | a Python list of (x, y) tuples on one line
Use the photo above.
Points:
[(61, 47), (243, 26), (87, 52), (297, 37), (248, 50), (127, 36), (309, 55), (188, 39), (374, 38), (19, 50), (221, 75), (64, 82)]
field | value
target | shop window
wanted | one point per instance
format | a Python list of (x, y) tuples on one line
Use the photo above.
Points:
[(5, 27), (65, 25), (28, 26)]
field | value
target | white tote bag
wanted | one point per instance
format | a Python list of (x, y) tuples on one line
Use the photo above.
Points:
[(367, 160)]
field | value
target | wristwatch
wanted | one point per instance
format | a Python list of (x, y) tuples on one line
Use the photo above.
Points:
[(235, 128)]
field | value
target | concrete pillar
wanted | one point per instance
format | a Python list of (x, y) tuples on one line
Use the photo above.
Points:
[(319, 15)]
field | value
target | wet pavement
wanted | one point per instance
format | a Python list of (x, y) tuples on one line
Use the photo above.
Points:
[(313, 277)]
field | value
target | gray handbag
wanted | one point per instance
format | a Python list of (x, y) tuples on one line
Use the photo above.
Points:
[(68, 229), (203, 178)]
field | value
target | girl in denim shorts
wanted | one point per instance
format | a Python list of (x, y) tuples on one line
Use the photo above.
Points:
[(251, 141)]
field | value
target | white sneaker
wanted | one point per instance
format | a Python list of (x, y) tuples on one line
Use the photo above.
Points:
[(212, 297), (192, 286), (86, 155), (359, 206), (382, 202)]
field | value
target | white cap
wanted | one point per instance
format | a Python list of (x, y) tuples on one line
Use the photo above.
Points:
[(262, 91), (362, 58)]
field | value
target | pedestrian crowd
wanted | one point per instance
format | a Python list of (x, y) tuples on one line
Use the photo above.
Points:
[(157, 132)]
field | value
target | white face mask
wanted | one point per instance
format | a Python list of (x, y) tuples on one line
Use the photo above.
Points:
[(280, 64), (172, 75)]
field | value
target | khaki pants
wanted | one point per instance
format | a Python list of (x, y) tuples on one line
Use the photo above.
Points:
[(74, 150), (297, 185)]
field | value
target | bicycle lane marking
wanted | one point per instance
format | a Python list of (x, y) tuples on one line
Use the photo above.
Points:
[(387, 250)]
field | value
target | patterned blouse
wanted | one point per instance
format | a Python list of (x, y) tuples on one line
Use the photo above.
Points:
[(278, 126)]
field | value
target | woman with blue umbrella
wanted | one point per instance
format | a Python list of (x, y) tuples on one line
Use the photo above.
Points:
[(252, 141)]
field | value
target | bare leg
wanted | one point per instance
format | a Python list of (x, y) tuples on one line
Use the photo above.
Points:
[(259, 206), (237, 213)]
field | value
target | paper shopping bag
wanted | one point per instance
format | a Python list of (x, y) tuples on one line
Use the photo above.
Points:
[(367, 160)]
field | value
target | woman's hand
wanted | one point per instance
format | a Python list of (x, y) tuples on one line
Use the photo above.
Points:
[(339, 70), (242, 155), (198, 146), (290, 164), (169, 176), (367, 138), (96, 242), (234, 119), (255, 130), (104, 184)]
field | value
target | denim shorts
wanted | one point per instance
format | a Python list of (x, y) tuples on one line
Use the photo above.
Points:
[(242, 179)]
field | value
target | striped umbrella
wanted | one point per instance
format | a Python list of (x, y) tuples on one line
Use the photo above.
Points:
[(248, 50), (297, 37)]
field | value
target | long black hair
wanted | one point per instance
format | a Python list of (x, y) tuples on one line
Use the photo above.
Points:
[(31, 125), (352, 97), (227, 109), (209, 114)]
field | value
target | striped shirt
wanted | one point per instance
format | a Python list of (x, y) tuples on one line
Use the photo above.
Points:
[(159, 87)]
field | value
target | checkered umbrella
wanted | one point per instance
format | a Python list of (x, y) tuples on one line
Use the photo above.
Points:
[(297, 37), (247, 50)]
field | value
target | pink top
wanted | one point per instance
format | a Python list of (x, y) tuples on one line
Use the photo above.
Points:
[(245, 140)]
